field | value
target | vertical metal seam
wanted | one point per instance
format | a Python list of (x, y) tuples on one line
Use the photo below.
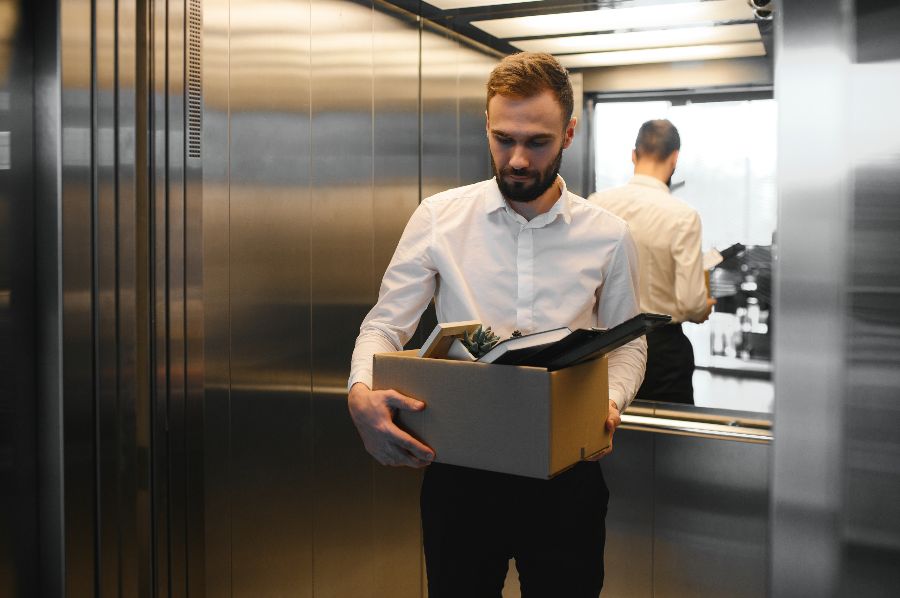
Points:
[(151, 286), (373, 54), (458, 102), (309, 237), (167, 295), (372, 195), (95, 333), (229, 451), (421, 105), (653, 516), (186, 153), (421, 110), (117, 295), (153, 290)]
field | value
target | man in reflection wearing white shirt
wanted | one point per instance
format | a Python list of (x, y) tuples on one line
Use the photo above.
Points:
[(517, 252), (667, 233)]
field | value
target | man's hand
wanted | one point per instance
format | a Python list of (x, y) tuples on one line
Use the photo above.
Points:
[(612, 422), (373, 414), (709, 305)]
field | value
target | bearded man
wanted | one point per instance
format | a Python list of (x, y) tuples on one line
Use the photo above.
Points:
[(517, 252)]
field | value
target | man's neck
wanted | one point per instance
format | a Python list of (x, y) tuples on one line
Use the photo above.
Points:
[(529, 209), (657, 170)]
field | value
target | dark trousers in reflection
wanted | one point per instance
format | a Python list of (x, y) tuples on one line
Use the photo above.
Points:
[(474, 521), (670, 367)]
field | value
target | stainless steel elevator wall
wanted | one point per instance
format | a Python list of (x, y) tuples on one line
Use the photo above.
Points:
[(836, 478), (316, 151), (18, 410), (687, 517)]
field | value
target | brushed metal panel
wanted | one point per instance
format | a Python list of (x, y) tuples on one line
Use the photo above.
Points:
[(174, 242), (19, 556), (629, 474), (342, 281), (474, 157), (134, 509), (77, 288), (711, 516), (105, 296), (269, 218), (345, 512), (48, 297), (216, 282), (342, 170), (575, 169), (395, 90), (396, 555), (440, 112), (871, 511), (811, 82), (194, 408), (158, 299)]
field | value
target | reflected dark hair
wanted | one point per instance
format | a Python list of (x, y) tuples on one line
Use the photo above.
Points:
[(657, 139), (527, 74)]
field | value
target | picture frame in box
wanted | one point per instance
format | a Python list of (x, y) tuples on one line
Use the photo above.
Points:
[(438, 342)]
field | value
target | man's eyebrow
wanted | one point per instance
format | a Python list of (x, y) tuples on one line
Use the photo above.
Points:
[(540, 136)]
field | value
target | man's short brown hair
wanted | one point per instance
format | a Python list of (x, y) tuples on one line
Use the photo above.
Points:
[(657, 139), (527, 74)]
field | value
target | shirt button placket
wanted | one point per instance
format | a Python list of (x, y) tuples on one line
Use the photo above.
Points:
[(525, 266)]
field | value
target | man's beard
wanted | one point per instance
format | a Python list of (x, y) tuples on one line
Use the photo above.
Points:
[(523, 191)]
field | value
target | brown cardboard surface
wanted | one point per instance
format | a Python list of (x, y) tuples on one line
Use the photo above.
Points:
[(519, 420)]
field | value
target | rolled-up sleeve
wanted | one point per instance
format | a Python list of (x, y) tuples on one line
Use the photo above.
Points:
[(617, 302), (690, 288), (406, 289)]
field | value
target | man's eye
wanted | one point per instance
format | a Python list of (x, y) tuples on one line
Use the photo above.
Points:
[(504, 140), (538, 143)]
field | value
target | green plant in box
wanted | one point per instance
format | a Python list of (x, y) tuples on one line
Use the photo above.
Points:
[(480, 342)]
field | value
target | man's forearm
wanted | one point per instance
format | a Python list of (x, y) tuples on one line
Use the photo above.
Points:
[(626, 371)]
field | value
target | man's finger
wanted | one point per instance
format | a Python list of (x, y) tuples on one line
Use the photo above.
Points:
[(400, 457), (400, 401), (413, 446), (612, 423)]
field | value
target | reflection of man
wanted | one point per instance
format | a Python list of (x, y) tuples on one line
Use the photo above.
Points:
[(515, 252), (667, 233)]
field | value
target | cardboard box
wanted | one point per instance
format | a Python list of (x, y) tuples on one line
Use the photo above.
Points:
[(519, 420)]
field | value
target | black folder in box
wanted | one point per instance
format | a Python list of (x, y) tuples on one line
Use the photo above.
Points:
[(587, 344)]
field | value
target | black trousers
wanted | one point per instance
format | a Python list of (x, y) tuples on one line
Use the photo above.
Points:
[(670, 367), (475, 521)]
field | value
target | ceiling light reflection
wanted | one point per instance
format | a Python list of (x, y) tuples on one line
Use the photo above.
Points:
[(664, 38), (650, 55), (454, 4), (641, 17)]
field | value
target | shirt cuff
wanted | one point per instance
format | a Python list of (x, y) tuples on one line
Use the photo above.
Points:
[(616, 397), (364, 377)]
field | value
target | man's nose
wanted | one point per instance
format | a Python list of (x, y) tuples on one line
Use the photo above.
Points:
[(519, 158)]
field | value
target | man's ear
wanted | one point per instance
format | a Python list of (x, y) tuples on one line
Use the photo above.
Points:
[(487, 124), (634, 157), (569, 134), (673, 160)]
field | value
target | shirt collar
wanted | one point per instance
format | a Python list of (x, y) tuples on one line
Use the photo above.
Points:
[(648, 181), (494, 201)]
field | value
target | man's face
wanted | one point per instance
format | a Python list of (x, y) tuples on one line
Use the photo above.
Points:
[(526, 138)]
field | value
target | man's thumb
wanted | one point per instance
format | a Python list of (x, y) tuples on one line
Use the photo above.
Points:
[(400, 401)]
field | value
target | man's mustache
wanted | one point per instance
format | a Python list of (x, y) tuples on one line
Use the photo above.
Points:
[(519, 172)]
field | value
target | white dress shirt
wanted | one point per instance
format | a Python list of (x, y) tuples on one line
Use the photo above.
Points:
[(574, 266), (667, 233)]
